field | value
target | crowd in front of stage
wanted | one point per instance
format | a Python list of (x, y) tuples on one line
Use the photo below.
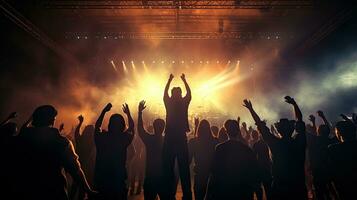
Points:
[(290, 159)]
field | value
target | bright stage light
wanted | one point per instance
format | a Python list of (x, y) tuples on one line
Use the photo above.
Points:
[(124, 67), (114, 66), (209, 85)]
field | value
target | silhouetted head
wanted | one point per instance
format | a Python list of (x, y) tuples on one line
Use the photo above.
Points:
[(87, 135), (204, 130), (159, 126), (150, 128), (116, 123), (214, 130), (44, 116), (232, 128), (176, 93), (285, 127), (323, 130), (345, 130), (8, 129), (222, 134), (255, 135), (88, 130)]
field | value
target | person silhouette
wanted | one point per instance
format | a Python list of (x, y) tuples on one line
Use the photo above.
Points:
[(153, 146), (262, 152), (85, 148), (343, 163), (201, 149), (234, 168), (8, 131), (42, 154), (318, 141), (110, 168), (288, 153), (175, 140), (222, 135)]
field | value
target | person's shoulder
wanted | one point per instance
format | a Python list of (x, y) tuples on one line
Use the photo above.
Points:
[(127, 135), (223, 145)]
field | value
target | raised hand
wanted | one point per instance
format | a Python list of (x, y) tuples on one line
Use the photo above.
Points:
[(183, 77), (320, 114), (80, 119), (344, 117), (238, 120), (61, 127), (142, 106), (107, 107), (247, 104), (126, 109), (244, 125), (312, 118), (289, 100), (171, 77)]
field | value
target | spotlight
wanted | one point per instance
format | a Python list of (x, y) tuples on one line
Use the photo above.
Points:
[(207, 62), (191, 61), (201, 62), (142, 62), (217, 61), (229, 61), (85, 37), (153, 61), (182, 62), (132, 61), (105, 37), (162, 62), (173, 61), (78, 37)]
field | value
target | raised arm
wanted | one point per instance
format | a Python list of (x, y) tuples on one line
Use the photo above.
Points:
[(263, 129), (98, 123), (141, 130), (188, 89), (256, 118), (8, 118), (313, 123), (197, 122), (166, 92), (77, 135), (323, 117), (61, 128), (130, 119), (297, 110)]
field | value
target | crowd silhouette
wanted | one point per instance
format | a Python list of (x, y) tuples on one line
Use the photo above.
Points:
[(230, 162)]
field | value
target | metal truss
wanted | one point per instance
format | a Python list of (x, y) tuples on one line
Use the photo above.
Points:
[(176, 35), (179, 4)]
